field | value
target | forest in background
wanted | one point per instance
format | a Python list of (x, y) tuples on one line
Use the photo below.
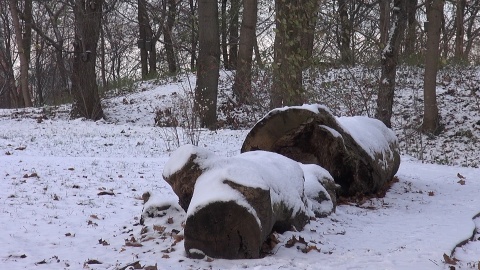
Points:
[(58, 51)]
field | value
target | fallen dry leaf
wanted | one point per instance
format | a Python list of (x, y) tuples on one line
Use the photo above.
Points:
[(461, 182), (106, 193), (310, 248), (449, 260), (159, 229)]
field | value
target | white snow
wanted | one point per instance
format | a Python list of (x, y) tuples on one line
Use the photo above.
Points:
[(371, 134), (315, 176), (52, 216)]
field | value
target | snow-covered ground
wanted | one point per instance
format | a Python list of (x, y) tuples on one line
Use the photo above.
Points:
[(71, 198)]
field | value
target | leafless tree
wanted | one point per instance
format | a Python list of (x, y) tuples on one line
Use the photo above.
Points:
[(243, 77), (434, 17), (208, 63), (389, 62), (88, 18)]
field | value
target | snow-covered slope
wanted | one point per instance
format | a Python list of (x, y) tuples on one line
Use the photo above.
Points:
[(71, 198)]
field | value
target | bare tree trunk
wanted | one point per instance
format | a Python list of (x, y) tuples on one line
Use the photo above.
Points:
[(193, 36), (224, 35), (384, 21), (308, 33), (233, 33), (208, 63), (289, 54), (474, 7), (346, 54), (88, 19), (22, 44), (460, 30), (243, 78), (143, 25), (103, 67), (167, 36), (434, 17), (411, 37), (7, 84), (38, 71), (389, 58), (258, 56)]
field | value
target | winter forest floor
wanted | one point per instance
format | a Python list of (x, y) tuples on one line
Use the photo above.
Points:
[(71, 190)]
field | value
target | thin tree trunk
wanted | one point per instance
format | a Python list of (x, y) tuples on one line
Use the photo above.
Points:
[(168, 38), (143, 24), (233, 34), (7, 85), (460, 30), (258, 56), (389, 64), (411, 37), (38, 70), (308, 33), (208, 63), (384, 21), (193, 36), (22, 53), (434, 17), (88, 19), (243, 78), (224, 35), (102, 61), (475, 7), (346, 54)]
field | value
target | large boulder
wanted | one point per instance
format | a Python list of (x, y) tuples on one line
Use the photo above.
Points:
[(234, 203), (361, 153)]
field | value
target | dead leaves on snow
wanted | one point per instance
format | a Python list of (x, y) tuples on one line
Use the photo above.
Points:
[(303, 245), (449, 260), (462, 179)]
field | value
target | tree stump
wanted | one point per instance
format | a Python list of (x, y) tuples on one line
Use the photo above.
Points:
[(234, 203), (361, 153)]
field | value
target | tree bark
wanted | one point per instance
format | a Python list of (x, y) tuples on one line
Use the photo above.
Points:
[(460, 30), (470, 32), (243, 77), (224, 35), (88, 17), (233, 33), (193, 36), (23, 45), (384, 21), (168, 37), (389, 61), (143, 25), (7, 84), (346, 53), (208, 63), (434, 17), (289, 54), (411, 35)]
